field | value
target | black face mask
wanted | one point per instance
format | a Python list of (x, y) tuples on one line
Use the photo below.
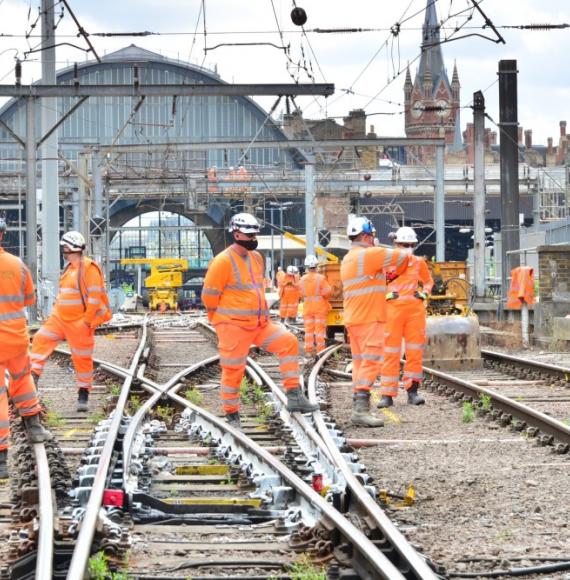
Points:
[(249, 245)]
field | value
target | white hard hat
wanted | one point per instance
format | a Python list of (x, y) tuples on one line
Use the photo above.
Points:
[(292, 270), (311, 261), (359, 225), (244, 223), (73, 240), (406, 235)]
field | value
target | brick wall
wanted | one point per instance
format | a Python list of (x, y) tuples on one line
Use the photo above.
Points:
[(554, 287)]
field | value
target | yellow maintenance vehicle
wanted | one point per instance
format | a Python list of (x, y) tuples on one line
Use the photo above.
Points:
[(166, 277), (453, 339)]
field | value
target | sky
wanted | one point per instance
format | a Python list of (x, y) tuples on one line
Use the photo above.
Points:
[(366, 67)]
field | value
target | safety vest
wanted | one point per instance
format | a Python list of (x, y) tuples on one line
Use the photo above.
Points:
[(82, 294), (364, 282), (416, 277), (289, 289), (522, 287), (16, 292), (314, 290), (233, 289)]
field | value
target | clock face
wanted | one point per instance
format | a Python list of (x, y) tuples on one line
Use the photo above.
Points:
[(417, 109), (442, 108)]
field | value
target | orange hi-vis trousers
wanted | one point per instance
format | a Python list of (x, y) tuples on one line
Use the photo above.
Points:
[(234, 343), (406, 320), (81, 340), (288, 309), (315, 332), (366, 345), (22, 391)]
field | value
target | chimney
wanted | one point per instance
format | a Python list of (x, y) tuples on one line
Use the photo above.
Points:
[(528, 139), (549, 149), (520, 134), (562, 128)]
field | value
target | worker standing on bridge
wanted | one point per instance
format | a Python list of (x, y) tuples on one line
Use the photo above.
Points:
[(16, 292), (364, 291), (81, 306), (315, 290), (406, 319), (289, 295), (235, 301)]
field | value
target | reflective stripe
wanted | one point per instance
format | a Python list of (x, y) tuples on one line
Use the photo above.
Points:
[(3, 389), (81, 352), (25, 397), (235, 267), (409, 375), (69, 291), (290, 375), (274, 336), (12, 298), (84, 375), (226, 387), (239, 311), (94, 301), (70, 302), (244, 286), (400, 259), (49, 334), (360, 264), (233, 361), (364, 382), (38, 356), (414, 346), (21, 374), (211, 292), (363, 291), (95, 289), (390, 379), (288, 359), (375, 357), (393, 349), (4, 424), (13, 315), (30, 296)]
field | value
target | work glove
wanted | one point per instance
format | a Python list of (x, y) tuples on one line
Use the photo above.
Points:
[(392, 296), (421, 295)]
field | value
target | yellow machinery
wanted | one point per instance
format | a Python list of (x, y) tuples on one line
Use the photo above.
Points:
[(164, 281), (452, 334)]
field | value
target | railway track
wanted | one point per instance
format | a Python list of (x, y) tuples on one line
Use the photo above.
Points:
[(183, 493)]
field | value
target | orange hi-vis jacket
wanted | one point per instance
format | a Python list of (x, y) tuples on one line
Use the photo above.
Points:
[(16, 291), (522, 287), (315, 289), (364, 282), (233, 289), (416, 277), (289, 289), (82, 294)]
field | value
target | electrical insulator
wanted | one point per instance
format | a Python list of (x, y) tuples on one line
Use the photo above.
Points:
[(298, 16)]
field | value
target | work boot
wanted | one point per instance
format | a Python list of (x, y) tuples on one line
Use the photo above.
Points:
[(361, 415), (297, 402), (385, 402), (413, 397), (234, 420), (36, 379), (4, 464), (83, 400), (35, 430)]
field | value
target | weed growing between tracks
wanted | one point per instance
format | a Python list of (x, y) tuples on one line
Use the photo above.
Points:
[(194, 396), (98, 568), (468, 412), (305, 569)]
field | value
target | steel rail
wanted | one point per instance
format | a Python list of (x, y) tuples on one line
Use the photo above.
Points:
[(370, 563), (418, 568), (44, 556), (530, 416), (562, 372), (82, 549)]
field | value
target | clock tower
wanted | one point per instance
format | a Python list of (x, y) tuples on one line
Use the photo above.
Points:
[(431, 101)]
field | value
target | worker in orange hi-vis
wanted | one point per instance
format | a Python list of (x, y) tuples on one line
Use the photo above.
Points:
[(406, 319), (289, 295), (235, 302), (16, 292), (280, 274), (81, 306), (364, 293), (315, 290)]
